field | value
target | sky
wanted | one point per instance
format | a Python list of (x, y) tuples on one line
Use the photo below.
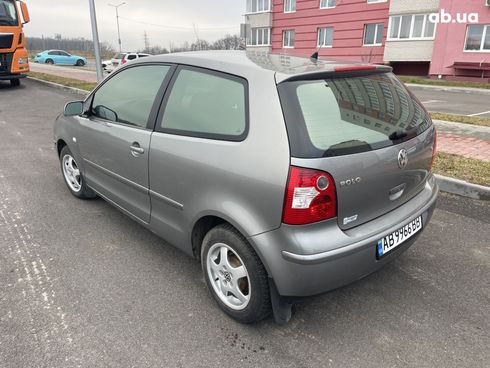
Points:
[(168, 21)]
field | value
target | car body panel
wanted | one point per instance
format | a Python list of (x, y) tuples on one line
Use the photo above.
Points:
[(110, 167), (316, 258), (227, 181), (183, 179)]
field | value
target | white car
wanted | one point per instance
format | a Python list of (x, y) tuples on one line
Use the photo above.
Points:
[(116, 60), (107, 65), (133, 56)]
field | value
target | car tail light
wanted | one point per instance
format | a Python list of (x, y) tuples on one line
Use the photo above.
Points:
[(434, 150), (310, 197), (123, 61)]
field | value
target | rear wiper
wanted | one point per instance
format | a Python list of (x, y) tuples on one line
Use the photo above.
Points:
[(397, 135), (400, 134), (347, 148)]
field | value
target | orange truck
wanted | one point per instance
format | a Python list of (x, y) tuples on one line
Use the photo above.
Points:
[(14, 59)]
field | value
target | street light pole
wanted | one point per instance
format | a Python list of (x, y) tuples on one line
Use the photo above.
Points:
[(95, 36), (117, 20)]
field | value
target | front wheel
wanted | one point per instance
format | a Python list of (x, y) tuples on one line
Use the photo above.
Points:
[(235, 275), (73, 177), (49, 61), (80, 62), (15, 82)]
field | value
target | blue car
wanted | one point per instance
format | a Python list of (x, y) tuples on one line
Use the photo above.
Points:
[(59, 57)]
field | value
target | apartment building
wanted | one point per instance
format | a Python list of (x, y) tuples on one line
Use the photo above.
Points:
[(413, 36), (411, 33), (258, 20)]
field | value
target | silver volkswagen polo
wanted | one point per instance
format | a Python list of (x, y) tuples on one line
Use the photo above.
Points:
[(284, 176)]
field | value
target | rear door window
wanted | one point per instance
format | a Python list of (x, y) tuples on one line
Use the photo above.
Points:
[(206, 104), (337, 116)]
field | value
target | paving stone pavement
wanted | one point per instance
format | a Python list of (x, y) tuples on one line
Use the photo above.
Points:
[(462, 139)]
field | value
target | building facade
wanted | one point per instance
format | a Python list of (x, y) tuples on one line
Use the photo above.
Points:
[(441, 38), (342, 29), (462, 49)]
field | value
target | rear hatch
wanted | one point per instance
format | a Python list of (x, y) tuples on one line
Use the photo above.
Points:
[(367, 130)]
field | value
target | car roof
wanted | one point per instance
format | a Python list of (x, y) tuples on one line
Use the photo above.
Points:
[(284, 66)]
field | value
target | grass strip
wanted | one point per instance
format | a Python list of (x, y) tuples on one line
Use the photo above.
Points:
[(69, 82), (473, 120), (459, 167)]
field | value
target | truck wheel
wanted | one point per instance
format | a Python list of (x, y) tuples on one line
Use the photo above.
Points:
[(80, 62), (15, 82), (235, 275), (49, 61)]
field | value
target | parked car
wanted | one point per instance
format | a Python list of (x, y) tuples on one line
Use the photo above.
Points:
[(107, 65), (59, 57), (133, 56), (116, 60), (286, 177)]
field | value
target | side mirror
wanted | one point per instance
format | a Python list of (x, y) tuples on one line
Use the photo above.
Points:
[(25, 12), (73, 108)]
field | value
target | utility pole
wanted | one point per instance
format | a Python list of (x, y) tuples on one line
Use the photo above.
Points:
[(117, 20), (147, 42), (95, 35)]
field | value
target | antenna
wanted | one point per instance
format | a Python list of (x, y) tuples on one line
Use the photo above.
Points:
[(314, 56)]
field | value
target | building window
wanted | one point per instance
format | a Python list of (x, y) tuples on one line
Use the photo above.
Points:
[(412, 26), (373, 34), (289, 6), (288, 39), (326, 4), (259, 37), (325, 37), (478, 38), (258, 6)]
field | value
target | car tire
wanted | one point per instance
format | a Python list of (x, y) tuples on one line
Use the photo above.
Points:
[(239, 282), (15, 82), (80, 62), (49, 61), (73, 176)]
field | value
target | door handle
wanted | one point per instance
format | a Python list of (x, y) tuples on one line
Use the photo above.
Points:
[(136, 149)]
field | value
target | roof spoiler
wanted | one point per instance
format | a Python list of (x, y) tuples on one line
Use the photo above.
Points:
[(338, 72)]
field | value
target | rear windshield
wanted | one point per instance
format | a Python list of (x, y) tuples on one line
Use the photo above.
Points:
[(340, 116), (119, 56)]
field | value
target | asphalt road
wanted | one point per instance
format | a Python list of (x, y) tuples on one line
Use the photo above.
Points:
[(82, 285), (447, 100)]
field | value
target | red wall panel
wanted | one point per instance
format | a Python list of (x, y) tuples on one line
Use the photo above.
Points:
[(347, 18)]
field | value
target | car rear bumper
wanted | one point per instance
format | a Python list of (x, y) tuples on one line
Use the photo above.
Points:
[(312, 259)]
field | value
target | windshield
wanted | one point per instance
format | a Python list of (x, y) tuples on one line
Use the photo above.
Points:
[(8, 13), (340, 116)]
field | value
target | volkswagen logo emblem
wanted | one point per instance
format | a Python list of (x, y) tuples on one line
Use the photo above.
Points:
[(402, 158)]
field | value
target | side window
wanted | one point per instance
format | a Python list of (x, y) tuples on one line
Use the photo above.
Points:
[(207, 105), (53, 53), (62, 53), (128, 96), (131, 57)]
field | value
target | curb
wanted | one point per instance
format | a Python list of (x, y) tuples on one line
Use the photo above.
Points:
[(60, 86), (463, 188)]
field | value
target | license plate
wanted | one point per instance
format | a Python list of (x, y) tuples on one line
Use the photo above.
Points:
[(393, 240)]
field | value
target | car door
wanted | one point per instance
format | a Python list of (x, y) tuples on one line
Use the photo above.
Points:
[(53, 55), (115, 136), (66, 58)]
